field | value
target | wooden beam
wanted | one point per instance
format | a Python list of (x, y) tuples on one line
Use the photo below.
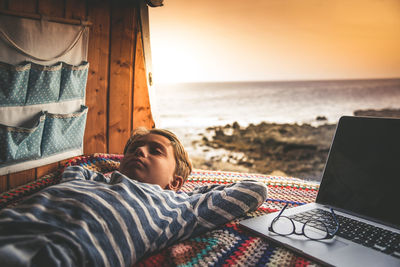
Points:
[(141, 103)]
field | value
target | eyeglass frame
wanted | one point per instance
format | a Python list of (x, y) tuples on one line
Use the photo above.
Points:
[(328, 234)]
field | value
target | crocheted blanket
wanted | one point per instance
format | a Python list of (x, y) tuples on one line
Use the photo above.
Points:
[(228, 245)]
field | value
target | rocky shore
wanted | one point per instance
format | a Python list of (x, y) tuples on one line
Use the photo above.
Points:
[(270, 148)]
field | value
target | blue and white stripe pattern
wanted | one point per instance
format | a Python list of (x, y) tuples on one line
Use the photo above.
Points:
[(91, 220)]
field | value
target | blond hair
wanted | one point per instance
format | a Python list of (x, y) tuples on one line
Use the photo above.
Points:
[(183, 165)]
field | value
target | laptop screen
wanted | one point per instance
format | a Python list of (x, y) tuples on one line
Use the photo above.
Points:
[(362, 173)]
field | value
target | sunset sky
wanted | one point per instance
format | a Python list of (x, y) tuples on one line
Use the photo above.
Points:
[(239, 40)]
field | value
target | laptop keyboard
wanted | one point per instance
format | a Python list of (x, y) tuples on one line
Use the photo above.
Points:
[(362, 233)]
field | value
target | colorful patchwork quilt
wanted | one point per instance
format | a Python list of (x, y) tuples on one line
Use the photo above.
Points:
[(228, 245)]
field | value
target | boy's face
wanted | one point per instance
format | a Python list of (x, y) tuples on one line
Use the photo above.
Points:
[(151, 160)]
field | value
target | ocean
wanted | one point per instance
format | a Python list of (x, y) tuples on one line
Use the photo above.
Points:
[(188, 109)]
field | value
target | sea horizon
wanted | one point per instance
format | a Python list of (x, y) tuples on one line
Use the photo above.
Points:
[(203, 104), (281, 81)]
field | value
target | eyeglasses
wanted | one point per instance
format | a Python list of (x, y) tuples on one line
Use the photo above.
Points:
[(312, 228)]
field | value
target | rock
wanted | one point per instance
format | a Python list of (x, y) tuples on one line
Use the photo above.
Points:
[(235, 125), (296, 150)]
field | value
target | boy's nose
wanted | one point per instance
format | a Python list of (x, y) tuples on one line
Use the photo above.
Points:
[(141, 152)]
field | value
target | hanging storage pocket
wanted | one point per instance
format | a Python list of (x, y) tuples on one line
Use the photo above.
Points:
[(63, 132), (42, 117), (73, 81), (21, 143), (13, 84), (44, 84)]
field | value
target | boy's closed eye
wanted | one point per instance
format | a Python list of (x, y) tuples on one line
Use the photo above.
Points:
[(152, 148), (156, 150)]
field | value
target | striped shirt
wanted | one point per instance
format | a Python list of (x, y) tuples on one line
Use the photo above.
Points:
[(89, 219)]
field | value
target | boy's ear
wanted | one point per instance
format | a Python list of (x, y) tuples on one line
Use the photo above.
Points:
[(176, 183)]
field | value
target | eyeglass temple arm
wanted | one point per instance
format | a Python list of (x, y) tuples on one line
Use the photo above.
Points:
[(336, 221), (282, 210)]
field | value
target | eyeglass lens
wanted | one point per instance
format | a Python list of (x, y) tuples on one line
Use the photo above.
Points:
[(283, 226), (312, 229), (315, 230)]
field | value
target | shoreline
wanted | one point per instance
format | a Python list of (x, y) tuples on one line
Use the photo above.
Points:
[(297, 150)]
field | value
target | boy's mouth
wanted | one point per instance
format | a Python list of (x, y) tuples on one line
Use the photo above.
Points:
[(138, 162)]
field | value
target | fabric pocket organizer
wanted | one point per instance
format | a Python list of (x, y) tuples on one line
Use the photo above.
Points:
[(19, 143), (63, 132), (13, 84), (32, 84), (51, 134), (73, 81)]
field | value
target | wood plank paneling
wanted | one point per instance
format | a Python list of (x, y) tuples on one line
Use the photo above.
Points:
[(3, 183), (20, 178), (95, 138), (75, 9), (41, 171), (123, 40), (23, 6), (54, 8)]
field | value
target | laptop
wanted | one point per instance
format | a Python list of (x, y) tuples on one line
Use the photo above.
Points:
[(361, 183)]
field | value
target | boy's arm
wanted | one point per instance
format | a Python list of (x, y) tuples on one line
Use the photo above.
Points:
[(78, 172), (205, 189), (218, 204), (216, 187)]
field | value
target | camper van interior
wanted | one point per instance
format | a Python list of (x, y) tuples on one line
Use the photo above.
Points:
[(75, 81)]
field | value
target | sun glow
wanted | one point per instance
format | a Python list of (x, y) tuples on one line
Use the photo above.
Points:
[(275, 40)]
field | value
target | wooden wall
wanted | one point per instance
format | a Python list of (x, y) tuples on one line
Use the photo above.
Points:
[(116, 92)]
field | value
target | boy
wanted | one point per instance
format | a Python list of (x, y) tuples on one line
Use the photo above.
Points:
[(164, 152), (92, 220)]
